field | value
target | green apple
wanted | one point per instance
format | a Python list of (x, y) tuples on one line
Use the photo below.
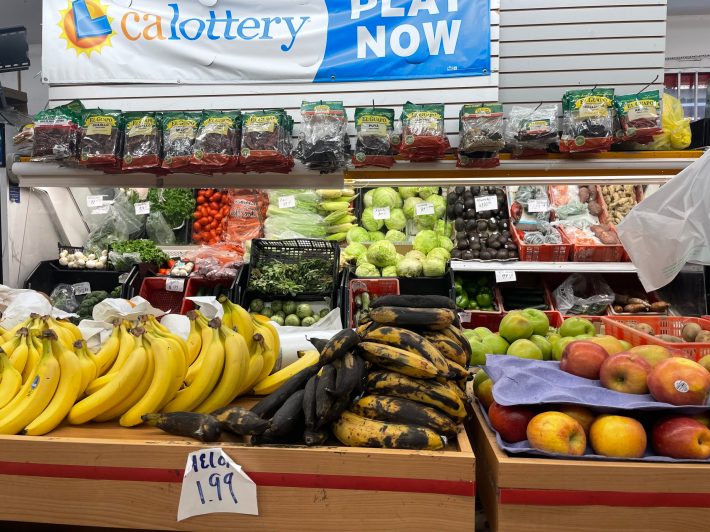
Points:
[(471, 335), (523, 348), (627, 345), (575, 326), (478, 378), (560, 345), (482, 331), (553, 337), (515, 326), (539, 320), (495, 344), (583, 336), (544, 345), (478, 352)]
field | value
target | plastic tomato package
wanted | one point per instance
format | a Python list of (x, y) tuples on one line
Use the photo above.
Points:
[(423, 134), (588, 124), (210, 215), (217, 261), (480, 135)]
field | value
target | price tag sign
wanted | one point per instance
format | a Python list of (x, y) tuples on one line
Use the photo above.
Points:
[(94, 201), (214, 483), (465, 317), (423, 209), (174, 285), (381, 213), (538, 205), (143, 208), (287, 202), (100, 210), (486, 203), (81, 289), (505, 276)]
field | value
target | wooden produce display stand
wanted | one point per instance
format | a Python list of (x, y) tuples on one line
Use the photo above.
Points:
[(522, 493), (103, 475)]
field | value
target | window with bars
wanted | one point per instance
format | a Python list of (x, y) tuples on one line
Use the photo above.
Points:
[(691, 88)]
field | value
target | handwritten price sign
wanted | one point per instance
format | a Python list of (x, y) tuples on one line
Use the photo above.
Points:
[(214, 483)]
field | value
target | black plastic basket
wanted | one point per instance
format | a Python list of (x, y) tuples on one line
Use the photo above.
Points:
[(48, 274)]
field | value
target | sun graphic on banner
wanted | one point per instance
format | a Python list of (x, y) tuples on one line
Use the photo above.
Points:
[(86, 26)]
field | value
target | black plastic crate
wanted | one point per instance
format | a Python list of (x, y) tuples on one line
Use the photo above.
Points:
[(48, 274)]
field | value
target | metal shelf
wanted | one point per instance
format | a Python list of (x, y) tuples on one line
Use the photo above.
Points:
[(525, 266)]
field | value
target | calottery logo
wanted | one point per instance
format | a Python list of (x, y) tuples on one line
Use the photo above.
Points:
[(86, 26)]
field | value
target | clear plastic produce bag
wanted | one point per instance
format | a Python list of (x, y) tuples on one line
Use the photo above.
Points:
[(158, 229), (532, 130), (112, 228), (62, 297), (324, 141), (127, 211), (580, 294)]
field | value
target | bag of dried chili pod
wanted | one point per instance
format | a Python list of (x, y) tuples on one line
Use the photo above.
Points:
[(639, 116), (531, 130), (216, 143), (266, 141), (423, 134), (179, 130), (480, 135), (100, 138), (588, 125), (324, 140), (55, 132), (374, 128), (141, 146)]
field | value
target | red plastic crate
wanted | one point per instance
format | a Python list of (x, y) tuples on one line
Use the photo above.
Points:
[(193, 287), (153, 290), (543, 252), (598, 253), (375, 287), (619, 326)]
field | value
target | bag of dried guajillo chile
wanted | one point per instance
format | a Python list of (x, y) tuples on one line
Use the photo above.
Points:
[(588, 124), (141, 146), (216, 145), (56, 131), (639, 116), (480, 135), (374, 127), (266, 141), (423, 134), (179, 130), (100, 138), (324, 140)]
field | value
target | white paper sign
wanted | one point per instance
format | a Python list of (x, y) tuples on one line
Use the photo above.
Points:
[(214, 483), (174, 285), (465, 317), (143, 208), (538, 205), (486, 203), (287, 202), (423, 209), (94, 201), (505, 276), (100, 210), (381, 213), (81, 289)]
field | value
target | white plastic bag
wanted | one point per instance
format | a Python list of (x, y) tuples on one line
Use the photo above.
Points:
[(671, 227)]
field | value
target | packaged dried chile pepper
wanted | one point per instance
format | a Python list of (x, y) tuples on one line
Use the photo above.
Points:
[(216, 145), (324, 140), (141, 146), (532, 130), (374, 128), (639, 116), (480, 135), (423, 134), (56, 132), (588, 124), (179, 130), (100, 138), (266, 141)]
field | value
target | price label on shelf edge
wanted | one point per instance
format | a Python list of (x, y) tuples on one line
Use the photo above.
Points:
[(94, 201), (381, 213), (505, 276), (174, 285), (423, 209), (465, 317), (287, 202), (486, 203), (81, 289), (212, 483), (143, 208), (538, 205)]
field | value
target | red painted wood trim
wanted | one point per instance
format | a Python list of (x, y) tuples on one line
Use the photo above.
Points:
[(282, 480), (602, 498)]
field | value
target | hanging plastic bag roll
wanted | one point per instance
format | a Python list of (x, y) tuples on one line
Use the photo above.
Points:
[(670, 227), (295, 339)]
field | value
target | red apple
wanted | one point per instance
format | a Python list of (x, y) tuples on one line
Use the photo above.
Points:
[(556, 432), (583, 359), (510, 422), (625, 372), (679, 381), (681, 437), (653, 354)]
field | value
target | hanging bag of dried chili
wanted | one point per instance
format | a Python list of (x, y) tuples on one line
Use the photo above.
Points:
[(423, 134), (532, 131), (141, 146), (587, 122), (216, 144), (324, 140), (179, 130), (639, 116), (100, 138), (374, 128), (56, 131), (266, 141), (480, 135)]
